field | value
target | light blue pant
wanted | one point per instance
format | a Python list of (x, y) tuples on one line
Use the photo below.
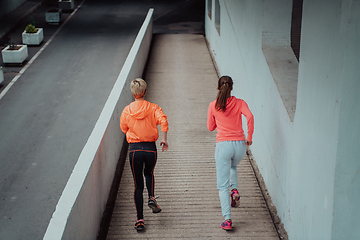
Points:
[(228, 155)]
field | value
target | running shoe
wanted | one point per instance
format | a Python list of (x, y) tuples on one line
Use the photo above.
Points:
[(139, 225), (235, 198), (227, 225), (153, 205)]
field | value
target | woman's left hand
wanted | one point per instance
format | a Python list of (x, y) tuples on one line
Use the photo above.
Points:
[(165, 145), (248, 143)]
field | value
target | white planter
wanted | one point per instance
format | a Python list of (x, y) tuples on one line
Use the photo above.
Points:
[(33, 38), (53, 16), (14, 56), (1, 76), (66, 5)]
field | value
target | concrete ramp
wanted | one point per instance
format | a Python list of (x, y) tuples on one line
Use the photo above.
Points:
[(182, 80)]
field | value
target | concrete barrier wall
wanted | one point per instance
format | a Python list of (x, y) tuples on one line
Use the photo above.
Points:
[(7, 6), (80, 208)]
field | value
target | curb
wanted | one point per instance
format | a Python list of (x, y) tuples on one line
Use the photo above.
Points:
[(279, 226)]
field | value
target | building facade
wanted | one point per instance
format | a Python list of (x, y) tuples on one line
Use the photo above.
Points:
[(306, 104)]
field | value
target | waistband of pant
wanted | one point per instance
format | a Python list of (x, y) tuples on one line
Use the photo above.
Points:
[(143, 146)]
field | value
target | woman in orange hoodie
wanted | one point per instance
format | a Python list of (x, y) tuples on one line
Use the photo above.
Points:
[(139, 122), (224, 114)]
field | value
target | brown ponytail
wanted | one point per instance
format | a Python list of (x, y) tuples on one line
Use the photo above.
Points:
[(225, 85)]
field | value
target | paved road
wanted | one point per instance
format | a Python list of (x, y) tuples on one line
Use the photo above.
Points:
[(48, 114)]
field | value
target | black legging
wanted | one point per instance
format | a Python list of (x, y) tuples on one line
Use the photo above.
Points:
[(142, 157)]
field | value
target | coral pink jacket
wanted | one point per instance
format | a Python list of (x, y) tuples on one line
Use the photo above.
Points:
[(229, 123)]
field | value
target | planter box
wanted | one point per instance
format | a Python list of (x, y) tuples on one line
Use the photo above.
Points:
[(15, 56), (53, 16), (66, 5), (1, 76), (33, 38)]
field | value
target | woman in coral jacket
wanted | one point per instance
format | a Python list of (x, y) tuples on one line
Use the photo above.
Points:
[(139, 122), (224, 114)]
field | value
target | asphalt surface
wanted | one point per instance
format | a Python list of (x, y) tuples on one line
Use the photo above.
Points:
[(49, 113)]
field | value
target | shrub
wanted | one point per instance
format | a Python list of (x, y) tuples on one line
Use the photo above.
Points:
[(12, 45), (30, 29)]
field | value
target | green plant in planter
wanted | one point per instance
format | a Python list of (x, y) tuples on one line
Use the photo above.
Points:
[(32, 21), (31, 29), (12, 45)]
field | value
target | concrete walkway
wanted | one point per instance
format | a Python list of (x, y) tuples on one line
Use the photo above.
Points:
[(182, 80)]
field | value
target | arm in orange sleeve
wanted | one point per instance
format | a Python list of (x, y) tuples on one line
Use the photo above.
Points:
[(161, 119), (123, 124)]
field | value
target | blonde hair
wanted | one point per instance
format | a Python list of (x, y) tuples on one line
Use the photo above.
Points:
[(138, 88)]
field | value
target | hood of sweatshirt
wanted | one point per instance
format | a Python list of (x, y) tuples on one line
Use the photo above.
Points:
[(139, 109), (230, 104)]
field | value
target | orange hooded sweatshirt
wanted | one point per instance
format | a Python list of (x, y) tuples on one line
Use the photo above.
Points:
[(139, 121)]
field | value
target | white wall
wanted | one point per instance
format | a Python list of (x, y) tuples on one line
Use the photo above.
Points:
[(347, 174), (80, 208), (301, 160)]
